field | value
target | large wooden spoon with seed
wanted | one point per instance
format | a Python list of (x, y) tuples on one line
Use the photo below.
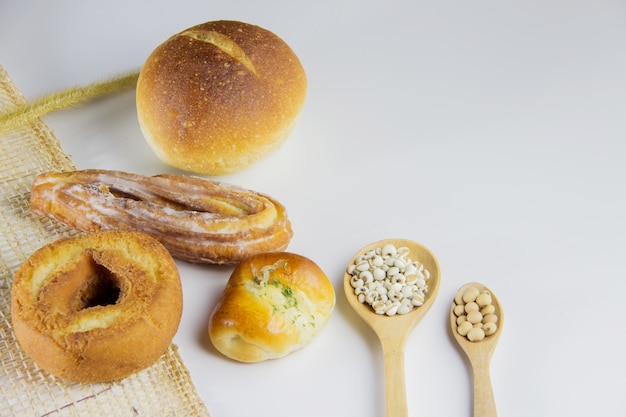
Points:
[(479, 354), (393, 331)]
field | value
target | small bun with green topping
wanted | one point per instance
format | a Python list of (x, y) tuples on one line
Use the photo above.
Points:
[(273, 304)]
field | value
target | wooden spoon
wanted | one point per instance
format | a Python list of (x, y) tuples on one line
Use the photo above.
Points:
[(479, 355), (393, 331)]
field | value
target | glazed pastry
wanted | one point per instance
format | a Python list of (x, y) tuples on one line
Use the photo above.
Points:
[(273, 304), (97, 307), (196, 219)]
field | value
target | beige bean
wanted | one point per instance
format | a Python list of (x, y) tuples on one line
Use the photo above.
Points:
[(460, 320), (488, 309), (490, 318), (471, 306), (474, 317), (464, 328), (490, 328), (484, 299), (459, 310), (476, 334), (470, 294)]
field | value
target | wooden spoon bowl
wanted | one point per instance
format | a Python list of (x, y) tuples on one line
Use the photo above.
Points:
[(393, 331), (479, 354)]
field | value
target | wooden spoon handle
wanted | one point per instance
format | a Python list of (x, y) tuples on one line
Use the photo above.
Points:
[(484, 400), (395, 391)]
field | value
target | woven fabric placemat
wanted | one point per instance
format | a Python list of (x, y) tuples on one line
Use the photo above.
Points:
[(163, 389)]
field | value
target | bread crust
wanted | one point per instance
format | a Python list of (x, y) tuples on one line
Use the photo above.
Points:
[(273, 304), (97, 307), (218, 96)]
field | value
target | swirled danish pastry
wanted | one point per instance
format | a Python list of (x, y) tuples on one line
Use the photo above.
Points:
[(196, 219)]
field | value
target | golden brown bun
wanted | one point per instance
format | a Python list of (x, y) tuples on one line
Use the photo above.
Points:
[(218, 96), (273, 304), (97, 307)]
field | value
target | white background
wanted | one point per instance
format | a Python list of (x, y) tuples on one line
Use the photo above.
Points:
[(491, 131)]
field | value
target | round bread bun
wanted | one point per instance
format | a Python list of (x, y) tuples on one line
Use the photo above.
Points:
[(219, 96), (273, 304), (97, 307)]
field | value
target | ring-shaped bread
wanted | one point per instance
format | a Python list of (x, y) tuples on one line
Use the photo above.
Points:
[(97, 307)]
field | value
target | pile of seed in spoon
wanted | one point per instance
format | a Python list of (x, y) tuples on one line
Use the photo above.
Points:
[(388, 280), (476, 316)]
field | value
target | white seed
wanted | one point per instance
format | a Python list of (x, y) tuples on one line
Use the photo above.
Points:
[(410, 268), (399, 278), (362, 266), (379, 306), (356, 282), (460, 319), (400, 264), (361, 290), (410, 278), (366, 276), (404, 309), (392, 309), (407, 291), (394, 295), (389, 250), (394, 270), (417, 300), (403, 251), (361, 298), (379, 274), (377, 260)]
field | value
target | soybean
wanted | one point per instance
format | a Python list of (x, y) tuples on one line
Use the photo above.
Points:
[(475, 313)]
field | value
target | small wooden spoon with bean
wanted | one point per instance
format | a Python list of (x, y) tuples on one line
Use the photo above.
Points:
[(393, 331), (479, 354)]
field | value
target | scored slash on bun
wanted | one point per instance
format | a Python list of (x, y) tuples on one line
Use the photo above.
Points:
[(217, 97)]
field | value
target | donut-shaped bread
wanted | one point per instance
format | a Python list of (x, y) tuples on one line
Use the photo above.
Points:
[(273, 304), (97, 307)]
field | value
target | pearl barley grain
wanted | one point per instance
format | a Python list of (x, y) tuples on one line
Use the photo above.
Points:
[(388, 280)]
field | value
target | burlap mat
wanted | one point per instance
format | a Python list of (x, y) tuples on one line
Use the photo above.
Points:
[(164, 389)]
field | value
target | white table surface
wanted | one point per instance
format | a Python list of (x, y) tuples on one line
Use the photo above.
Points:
[(491, 131)]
